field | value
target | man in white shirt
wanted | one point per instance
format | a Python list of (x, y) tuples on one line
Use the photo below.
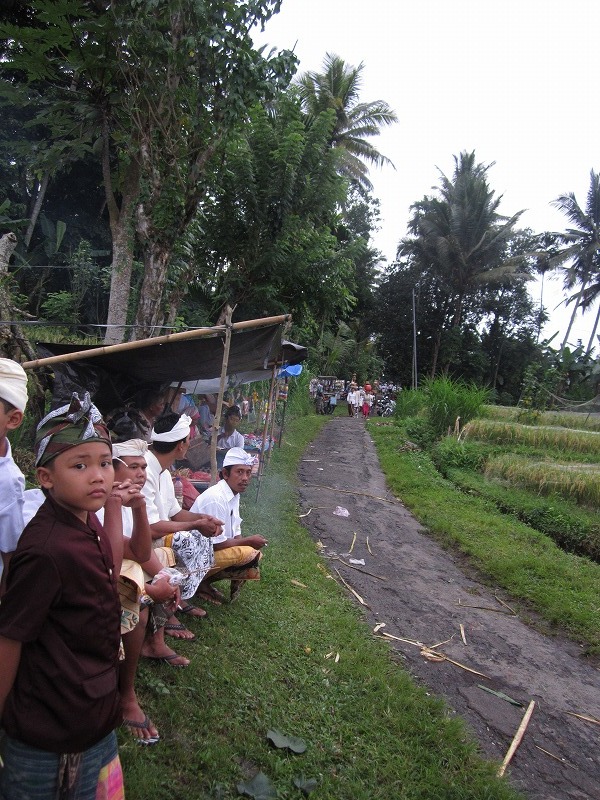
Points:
[(180, 529), (13, 399), (236, 557)]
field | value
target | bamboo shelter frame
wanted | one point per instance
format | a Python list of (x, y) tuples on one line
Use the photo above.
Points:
[(225, 331)]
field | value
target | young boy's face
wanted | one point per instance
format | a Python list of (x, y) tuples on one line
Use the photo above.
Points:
[(80, 479)]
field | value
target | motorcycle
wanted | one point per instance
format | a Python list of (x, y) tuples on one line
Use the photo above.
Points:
[(386, 407)]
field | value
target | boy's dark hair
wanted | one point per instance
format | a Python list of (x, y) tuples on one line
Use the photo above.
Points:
[(149, 394), (8, 407), (166, 422), (125, 424), (233, 411)]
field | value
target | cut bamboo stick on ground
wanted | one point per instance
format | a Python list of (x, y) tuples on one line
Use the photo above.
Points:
[(584, 717), (347, 585), (358, 569), (517, 739), (556, 758), (485, 608), (353, 542), (426, 652), (369, 547), (502, 603), (462, 634), (400, 639)]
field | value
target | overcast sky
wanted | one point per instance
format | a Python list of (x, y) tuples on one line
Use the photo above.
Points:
[(516, 81)]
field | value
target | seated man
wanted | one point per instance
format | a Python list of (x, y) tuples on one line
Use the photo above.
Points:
[(236, 557), (184, 531)]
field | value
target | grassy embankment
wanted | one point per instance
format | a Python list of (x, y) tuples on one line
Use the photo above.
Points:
[(262, 663), (562, 587)]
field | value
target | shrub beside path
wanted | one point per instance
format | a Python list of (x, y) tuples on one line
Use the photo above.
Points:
[(424, 593)]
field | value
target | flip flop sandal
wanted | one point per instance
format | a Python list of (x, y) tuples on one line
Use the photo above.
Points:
[(144, 726), (173, 627), (189, 609), (168, 660), (213, 596)]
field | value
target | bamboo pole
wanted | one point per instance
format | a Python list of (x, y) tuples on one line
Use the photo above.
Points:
[(219, 409), (170, 337), (517, 739), (273, 417), (261, 457)]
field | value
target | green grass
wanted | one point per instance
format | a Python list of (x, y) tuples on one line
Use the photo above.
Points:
[(260, 663), (574, 529), (563, 588)]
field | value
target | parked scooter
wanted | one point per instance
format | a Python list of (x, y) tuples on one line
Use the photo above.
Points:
[(386, 407)]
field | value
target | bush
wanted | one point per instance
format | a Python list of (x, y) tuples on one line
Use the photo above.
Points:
[(449, 453), (449, 400), (409, 403), (419, 431)]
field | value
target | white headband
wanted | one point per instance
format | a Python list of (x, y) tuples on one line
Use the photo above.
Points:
[(133, 447), (180, 431), (237, 456), (13, 383)]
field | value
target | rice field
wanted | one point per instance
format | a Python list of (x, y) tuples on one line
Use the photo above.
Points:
[(537, 436), (577, 482), (564, 419)]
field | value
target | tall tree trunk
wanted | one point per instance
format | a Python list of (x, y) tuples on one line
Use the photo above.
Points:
[(572, 320), (436, 352), (591, 342), (150, 311), (122, 233), (37, 207), (13, 342)]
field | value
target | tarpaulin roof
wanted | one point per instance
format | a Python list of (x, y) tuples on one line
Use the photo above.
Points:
[(113, 375)]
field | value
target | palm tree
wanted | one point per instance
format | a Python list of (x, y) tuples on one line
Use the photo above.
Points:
[(460, 235), (458, 240), (581, 251), (337, 88)]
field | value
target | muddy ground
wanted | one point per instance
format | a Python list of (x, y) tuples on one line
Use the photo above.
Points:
[(419, 600)]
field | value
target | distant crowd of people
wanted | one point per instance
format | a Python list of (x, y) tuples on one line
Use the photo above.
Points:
[(100, 564), (361, 401)]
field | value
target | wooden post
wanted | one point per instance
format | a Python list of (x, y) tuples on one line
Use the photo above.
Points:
[(261, 457), (273, 416), (217, 417)]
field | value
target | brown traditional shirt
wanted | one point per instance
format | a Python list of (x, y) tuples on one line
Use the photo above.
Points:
[(62, 604)]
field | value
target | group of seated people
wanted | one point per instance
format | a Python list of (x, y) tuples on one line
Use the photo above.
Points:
[(115, 565)]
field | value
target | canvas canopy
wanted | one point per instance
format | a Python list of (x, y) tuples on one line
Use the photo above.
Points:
[(114, 375)]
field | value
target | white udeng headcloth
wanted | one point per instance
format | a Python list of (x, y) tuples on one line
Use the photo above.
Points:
[(237, 456), (180, 431), (133, 447), (13, 383)]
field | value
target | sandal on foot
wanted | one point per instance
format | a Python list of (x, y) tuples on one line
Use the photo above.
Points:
[(211, 595), (168, 660), (189, 609), (179, 627), (144, 726)]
